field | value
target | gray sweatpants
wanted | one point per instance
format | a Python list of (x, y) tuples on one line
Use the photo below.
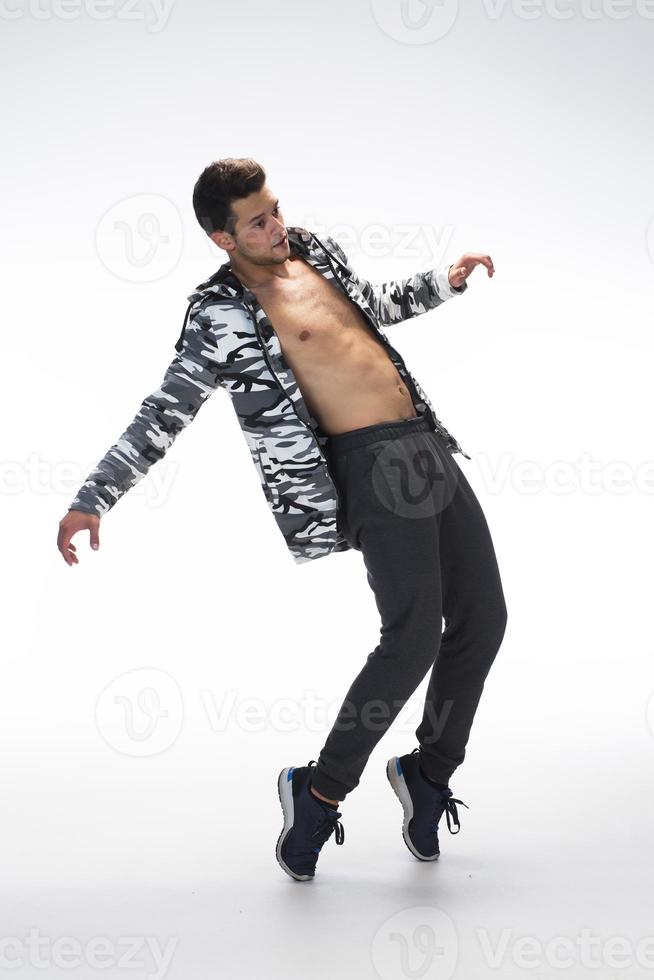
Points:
[(407, 506)]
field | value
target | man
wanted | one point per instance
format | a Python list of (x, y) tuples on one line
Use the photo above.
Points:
[(351, 455)]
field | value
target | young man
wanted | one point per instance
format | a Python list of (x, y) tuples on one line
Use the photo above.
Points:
[(350, 454)]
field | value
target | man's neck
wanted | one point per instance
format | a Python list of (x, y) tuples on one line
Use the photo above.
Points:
[(255, 277)]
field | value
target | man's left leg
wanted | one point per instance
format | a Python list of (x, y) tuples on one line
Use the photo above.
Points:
[(475, 616)]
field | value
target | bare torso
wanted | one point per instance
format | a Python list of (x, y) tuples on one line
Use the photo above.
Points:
[(345, 374)]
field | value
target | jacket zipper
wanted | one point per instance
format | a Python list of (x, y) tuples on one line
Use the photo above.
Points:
[(386, 344), (301, 420), (383, 340)]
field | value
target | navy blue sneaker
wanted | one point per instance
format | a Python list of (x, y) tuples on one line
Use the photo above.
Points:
[(308, 823), (423, 805)]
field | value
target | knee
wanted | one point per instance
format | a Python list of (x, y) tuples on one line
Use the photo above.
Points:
[(413, 654), (491, 623), (481, 625), (501, 615)]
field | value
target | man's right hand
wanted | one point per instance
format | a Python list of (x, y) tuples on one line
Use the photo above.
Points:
[(74, 521)]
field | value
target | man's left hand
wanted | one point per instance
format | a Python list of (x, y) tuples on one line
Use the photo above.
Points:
[(460, 270)]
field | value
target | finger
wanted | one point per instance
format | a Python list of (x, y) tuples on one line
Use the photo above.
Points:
[(64, 546), (70, 558), (480, 257), (94, 538)]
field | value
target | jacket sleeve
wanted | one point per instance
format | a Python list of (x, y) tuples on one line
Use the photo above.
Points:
[(399, 300), (193, 374)]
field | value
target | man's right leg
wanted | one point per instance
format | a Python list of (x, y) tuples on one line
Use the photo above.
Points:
[(400, 548)]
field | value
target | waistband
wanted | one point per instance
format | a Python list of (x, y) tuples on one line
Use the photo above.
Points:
[(382, 430)]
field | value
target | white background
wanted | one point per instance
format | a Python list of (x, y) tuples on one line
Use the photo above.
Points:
[(524, 132)]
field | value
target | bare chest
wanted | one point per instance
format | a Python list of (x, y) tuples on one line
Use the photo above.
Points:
[(308, 311)]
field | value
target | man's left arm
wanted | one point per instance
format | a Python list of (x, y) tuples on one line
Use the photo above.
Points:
[(399, 300)]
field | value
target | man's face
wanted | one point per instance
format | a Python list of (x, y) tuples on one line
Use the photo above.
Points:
[(260, 232)]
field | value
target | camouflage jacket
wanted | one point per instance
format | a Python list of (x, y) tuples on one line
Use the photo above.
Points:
[(227, 341)]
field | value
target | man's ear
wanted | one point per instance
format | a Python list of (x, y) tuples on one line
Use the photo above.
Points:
[(223, 240)]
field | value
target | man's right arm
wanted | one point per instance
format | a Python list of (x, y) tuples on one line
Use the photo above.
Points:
[(192, 375)]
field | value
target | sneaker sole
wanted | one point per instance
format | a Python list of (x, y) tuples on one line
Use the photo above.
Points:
[(401, 790), (285, 793)]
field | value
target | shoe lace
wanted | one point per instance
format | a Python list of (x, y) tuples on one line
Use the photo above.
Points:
[(449, 806), (329, 822)]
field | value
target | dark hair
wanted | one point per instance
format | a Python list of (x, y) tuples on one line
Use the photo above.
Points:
[(222, 182)]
